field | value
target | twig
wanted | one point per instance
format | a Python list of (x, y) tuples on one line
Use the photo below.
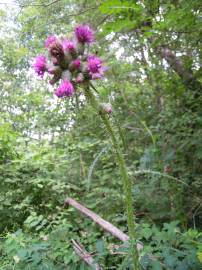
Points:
[(90, 172), (31, 5), (82, 11), (194, 214), (107, 226), (85, 256), (66, 16), (160, 174)]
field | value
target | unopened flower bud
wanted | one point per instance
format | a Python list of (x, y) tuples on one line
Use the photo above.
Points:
[(54, 70), (55, 78), (56, 53), (106, 108), (80, 78), (75, 65), (54, 60), (66, 75), (80, 48), (67, 59)]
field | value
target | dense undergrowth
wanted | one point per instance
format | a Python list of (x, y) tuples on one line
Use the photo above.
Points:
[(37, 227)]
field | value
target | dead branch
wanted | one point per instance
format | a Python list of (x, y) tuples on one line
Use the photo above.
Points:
[(85, 256), (107, 226)]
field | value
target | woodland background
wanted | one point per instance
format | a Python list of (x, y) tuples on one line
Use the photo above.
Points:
[(51, 149)]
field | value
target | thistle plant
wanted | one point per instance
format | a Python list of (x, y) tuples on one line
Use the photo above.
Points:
[(72, 67)]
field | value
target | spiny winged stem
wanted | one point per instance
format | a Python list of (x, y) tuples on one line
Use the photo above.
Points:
[(125, 179)]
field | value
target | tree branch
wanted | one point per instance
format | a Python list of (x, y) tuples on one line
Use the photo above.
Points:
[(41, 5), (186, 75), (85, 256), (31, 5), (101, 222)]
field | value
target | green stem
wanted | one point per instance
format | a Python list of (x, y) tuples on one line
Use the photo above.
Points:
[(127, 186)]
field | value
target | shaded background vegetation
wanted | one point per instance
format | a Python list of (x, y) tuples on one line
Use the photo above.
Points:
[(51, 149)]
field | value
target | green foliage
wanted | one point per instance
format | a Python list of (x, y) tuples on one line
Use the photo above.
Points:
[(172, 248), (42, 252), (7, 143)]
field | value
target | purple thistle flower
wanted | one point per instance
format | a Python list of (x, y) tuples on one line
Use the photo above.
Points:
[(95, 68), (50, 40), (40, 65), (65, 89), (68, 45), (84, 34)]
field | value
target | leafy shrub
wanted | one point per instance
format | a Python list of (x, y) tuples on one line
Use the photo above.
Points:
[(170, 248)]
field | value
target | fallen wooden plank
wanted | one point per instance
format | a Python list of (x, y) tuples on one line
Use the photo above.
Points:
[(85, 256), (107, 226)]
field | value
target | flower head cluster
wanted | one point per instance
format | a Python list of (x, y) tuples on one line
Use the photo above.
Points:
[(69, 61)]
